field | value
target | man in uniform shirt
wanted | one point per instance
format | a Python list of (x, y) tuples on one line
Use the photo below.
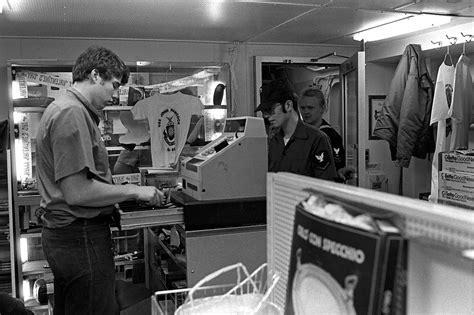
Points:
[(312, 106), (77, 193), (295, 147)]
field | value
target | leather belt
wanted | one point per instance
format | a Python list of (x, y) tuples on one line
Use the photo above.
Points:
[(92, 221)]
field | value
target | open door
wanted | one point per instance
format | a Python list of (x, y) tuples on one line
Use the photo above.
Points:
[(302, 73), (355, 126)]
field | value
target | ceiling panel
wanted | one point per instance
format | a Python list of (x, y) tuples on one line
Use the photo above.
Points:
[(268, 21), (182, 20), (321, 27)]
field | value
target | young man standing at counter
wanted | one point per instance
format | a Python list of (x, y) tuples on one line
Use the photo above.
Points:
[(295, 147), (77, 193), (312, 106)]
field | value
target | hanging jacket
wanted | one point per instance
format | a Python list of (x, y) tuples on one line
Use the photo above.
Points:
[(3, 135), (405, 118)]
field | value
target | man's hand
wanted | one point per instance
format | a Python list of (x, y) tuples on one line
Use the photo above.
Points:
[(149, 195), (346, 173)]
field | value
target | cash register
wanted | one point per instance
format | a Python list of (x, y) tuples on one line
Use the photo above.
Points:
[(224, 199), (232, 166)]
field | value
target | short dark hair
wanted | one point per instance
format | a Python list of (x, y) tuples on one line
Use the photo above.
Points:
[(105, 61), (314, 92)]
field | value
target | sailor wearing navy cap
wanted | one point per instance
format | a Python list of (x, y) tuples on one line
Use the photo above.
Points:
[(295, 146)]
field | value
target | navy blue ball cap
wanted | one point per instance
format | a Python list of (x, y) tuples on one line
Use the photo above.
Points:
[(276, 91)]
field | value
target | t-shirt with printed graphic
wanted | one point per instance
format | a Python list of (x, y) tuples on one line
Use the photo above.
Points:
[(169, 117), (338, 151), (461, 111), (439, 114)]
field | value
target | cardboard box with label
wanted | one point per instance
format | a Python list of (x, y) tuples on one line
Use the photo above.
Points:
[(454, 161), (463, 182), (456, 198), (456, 179), (342, 269)]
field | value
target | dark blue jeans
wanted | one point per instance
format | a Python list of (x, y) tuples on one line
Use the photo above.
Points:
[(81, 258)]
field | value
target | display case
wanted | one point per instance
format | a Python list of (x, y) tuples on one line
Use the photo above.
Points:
[(33, 85), (5, 259), (439, 277)]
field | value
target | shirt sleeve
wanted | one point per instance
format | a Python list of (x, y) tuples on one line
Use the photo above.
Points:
[(338, 151), (197, 106), (440, 107), (140, 110), (322, 158), (72, 143)]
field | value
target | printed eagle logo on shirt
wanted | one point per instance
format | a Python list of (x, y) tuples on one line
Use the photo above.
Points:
[(169, 133)]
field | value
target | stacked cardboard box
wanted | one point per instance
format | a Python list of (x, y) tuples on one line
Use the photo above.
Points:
[(456, 179)]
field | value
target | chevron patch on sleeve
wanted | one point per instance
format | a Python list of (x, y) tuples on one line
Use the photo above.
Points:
[(321, 159)]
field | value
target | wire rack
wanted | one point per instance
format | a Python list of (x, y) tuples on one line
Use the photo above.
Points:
[(167, 302), (247, 288)]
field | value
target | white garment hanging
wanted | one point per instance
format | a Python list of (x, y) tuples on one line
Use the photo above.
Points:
[(439, 113), (137, 131), (169, 117), (461, 111)]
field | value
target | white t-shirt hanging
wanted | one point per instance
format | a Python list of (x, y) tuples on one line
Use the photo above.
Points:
[(439, 113), (169, 117), (461, 111)]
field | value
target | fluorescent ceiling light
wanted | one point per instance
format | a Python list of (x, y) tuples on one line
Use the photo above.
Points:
[(5, 3), (407, 25)]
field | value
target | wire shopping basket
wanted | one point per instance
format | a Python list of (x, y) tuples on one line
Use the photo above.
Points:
[(249, 295)]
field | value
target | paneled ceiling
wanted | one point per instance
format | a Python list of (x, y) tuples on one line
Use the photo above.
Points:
[(273, 21)]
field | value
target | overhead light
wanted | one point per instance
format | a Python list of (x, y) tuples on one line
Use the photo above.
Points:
[(4, 3), (315, 68), (143, 63), (215, 10), (410, 24)]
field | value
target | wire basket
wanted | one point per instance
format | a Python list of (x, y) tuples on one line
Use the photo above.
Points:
[(247, 296)]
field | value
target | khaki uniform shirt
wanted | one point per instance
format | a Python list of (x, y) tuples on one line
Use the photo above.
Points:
[(69, 141)]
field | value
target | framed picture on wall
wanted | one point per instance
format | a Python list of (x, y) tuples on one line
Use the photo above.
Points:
[(375, 108)]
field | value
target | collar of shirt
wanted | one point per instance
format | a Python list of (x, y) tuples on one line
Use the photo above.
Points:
[(324, 123), (95, 114), (299, 133)]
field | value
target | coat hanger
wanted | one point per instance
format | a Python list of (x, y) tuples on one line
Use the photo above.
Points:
[(446, 56), (169, 70), (466, 41)]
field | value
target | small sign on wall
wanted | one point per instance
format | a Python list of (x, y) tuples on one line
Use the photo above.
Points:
[(375, 109)]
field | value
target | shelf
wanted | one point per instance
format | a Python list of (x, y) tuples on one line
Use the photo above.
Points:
[(29, 109), (33, 305), (119, 148), (171, 255), (36, 267), (27, 200), (148, 218), (114, 108), (129, 262), (30, 235)]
